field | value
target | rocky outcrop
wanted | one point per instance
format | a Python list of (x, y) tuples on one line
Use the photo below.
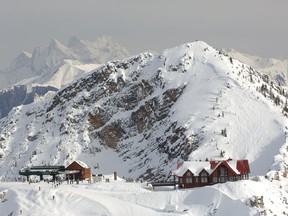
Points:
[(21, 95), (111, 135)]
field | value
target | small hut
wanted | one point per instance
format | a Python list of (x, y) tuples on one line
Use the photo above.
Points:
[(78, 170)]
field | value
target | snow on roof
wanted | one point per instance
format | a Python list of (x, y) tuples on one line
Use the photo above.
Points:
[(210, 166), (82, 164), (233, 165), (194, 166), (230, 163)]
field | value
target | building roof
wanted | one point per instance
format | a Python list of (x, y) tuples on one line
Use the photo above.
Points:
[(243, 166), (237, 166), (194, 166), (81, 163), (47, 167), (230, 164)]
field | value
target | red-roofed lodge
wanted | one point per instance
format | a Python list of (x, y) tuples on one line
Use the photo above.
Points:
[(201, 173)]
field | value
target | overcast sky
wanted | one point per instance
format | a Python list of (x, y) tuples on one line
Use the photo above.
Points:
[(251, 26)]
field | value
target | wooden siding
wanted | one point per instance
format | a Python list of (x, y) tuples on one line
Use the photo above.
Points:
[(85, 173), (221, 174)]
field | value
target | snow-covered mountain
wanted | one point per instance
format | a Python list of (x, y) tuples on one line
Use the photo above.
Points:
[(276, 68), (53, 67), (140, 116), (43, 64)]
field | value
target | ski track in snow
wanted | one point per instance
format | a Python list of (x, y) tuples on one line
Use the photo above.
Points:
[(119, 198)]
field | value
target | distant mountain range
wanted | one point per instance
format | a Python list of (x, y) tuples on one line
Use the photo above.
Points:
[(52, 67), (276, 68), (42, 65)]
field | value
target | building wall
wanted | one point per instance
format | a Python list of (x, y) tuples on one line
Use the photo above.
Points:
[(84, 174), (218, 177), (188, 180)]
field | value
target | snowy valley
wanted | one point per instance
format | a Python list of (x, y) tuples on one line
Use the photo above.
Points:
[(142, 115)]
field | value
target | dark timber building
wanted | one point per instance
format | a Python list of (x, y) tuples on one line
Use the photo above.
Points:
[(201, 173), (77, 170)]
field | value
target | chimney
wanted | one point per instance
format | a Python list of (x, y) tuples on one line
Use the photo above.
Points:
[(179, 164), (115, 176), (213, 164)]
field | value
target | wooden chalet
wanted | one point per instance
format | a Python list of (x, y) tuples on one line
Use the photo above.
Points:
[(201, 173), (77, 170)]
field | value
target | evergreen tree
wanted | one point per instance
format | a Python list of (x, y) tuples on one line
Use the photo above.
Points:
[(224, 132)]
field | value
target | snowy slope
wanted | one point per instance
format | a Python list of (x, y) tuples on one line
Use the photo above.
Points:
[(276, 68), (61, 74), (118, 198)]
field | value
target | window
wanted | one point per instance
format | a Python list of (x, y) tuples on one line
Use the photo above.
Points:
[(215, 179), (189, 177), (204, 177), (244, 176), (223, 174), (196, 179), (223, 171), (231, 178)]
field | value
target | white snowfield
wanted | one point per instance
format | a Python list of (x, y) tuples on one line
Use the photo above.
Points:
[(120, 198)]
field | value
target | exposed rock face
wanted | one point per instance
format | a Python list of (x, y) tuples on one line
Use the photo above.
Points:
[(152, 111), (111, 135), (98, 119), (127, 107)]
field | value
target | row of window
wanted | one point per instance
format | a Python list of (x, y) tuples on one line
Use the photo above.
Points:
[(217, 179), (203, 179)]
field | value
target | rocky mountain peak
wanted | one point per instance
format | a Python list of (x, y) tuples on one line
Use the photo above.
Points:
[(22, 60), (74, 42)]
